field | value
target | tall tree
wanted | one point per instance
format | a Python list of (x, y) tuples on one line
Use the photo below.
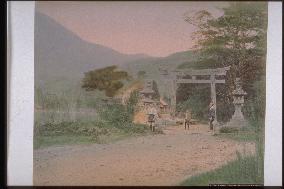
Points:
[(106, 79), (237, 38)]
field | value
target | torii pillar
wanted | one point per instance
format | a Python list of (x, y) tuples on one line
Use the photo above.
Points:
[(213, 94)]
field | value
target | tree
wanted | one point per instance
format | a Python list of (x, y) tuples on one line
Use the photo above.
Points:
[(106, 79), (236, 39)]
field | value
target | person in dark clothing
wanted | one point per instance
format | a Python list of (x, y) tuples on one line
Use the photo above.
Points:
[(211, 115)]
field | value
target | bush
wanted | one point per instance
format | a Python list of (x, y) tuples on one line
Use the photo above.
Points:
[(229, 129), (71, 128), (119, 115)]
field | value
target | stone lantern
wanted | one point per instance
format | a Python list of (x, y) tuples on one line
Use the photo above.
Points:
[(237, 119)]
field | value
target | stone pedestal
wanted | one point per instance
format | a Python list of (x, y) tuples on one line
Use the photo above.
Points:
[(237, 119)]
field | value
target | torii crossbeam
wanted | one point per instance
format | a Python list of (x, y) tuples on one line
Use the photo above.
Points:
[(175, 77)]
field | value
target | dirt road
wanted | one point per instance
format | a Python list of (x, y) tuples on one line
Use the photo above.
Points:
[(165, 159)]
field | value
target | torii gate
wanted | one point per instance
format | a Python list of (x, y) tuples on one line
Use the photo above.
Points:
[(175, 77)]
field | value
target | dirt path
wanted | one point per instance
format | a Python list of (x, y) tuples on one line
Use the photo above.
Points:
[(150, 160)]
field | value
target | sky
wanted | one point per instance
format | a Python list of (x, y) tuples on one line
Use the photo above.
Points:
[(154, 28)]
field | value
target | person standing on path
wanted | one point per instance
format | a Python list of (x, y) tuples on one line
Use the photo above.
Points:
[(211, 116), (152, 117), (187, 119)]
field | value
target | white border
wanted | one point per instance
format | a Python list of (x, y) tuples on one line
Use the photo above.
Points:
[(273, 118), (21, 93)]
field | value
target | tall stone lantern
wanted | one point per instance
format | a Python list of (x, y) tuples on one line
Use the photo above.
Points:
[(237, 119)]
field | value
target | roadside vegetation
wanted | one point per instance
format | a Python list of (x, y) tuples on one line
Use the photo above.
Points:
[(244, 170), (84, 119)]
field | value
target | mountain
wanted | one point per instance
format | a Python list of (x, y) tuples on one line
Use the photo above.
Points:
[(62, 57), (152, 64), (60, 54)]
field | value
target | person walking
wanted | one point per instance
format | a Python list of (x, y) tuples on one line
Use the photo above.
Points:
[(211, 116)]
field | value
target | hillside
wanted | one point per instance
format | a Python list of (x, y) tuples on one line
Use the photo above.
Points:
[(62, 55), (151, 66)]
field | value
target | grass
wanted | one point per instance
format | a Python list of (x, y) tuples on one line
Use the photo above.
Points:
[(244, 170), (241, 136), (246, 134)]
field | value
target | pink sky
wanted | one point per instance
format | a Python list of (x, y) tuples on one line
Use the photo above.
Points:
[(153, 28)]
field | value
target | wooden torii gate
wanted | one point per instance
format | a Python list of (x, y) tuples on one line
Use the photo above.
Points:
[(174, 77)]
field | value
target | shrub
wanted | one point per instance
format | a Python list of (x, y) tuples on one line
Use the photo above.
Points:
[(71, 128), (229, 129), (119, 115)]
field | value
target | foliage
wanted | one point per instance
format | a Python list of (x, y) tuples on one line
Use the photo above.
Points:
[(106, 79), (71, 128), (196, 97), (195, 100), (236, 39), (115, 114), (254, 108), (228, 129), (121, 115), (81, 132), (74, 119)]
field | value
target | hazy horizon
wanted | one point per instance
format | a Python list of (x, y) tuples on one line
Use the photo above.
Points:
[(152, 28)]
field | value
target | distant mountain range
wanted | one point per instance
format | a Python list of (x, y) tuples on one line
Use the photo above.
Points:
[(60, 55)]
